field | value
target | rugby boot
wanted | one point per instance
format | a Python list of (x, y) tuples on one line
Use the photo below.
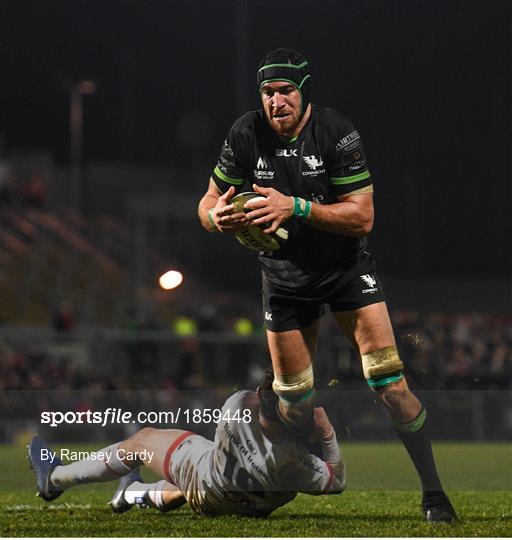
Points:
[(437, 508), (118, 502), (43, 468)]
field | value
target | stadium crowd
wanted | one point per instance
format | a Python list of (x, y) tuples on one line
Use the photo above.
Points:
[(442, 352), (465, 350)]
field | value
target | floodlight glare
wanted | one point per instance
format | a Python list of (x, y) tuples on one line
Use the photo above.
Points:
[(170, 280)]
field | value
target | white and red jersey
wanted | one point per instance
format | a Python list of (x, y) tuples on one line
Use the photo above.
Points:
[(243, 472)]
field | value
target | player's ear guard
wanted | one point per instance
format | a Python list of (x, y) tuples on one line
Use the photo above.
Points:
[(382, 367), (253, 237)]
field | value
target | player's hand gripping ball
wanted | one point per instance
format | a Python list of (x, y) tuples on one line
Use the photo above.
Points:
[(252, 236)]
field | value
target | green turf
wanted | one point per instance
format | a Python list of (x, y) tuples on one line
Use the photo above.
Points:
[(382, 499)]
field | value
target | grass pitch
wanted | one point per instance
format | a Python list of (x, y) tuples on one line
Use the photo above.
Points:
[(382, 499)]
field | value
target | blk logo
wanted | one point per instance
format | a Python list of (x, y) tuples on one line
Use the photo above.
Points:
[(284, 152)]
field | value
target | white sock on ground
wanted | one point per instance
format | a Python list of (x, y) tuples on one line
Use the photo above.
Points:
[(155, 494), (136, 491)]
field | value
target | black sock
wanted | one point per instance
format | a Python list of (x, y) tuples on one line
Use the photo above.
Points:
[(416, 438)]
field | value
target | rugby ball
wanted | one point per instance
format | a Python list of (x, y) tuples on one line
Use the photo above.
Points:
[(253, 237)]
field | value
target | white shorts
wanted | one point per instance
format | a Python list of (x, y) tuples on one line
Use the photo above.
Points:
[(187, 465)]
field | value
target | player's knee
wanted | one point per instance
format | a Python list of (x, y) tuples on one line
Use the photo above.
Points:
[(295, 388), (383, 369), (142, 434), (145, 432)]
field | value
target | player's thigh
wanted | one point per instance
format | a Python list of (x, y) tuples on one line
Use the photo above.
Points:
[(368, 328), (292, 351), (153, 445)]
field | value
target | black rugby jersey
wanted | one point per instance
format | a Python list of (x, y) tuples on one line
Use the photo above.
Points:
[(326, 160)]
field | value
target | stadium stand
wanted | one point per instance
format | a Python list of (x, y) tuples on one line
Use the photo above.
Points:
[(82, 318)]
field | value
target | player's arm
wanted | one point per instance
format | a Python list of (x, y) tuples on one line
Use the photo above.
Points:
[(325, 476), (216, 213), (331, 452), (351, 216)]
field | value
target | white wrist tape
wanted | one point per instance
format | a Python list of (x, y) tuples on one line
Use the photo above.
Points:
[(330, 448)]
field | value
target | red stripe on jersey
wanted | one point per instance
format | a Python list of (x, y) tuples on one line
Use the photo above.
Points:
[(169, 453), (331, 477)]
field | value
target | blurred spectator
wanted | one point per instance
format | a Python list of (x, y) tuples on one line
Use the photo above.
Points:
[(142, 353), (34, 192), (187, 352), (64, 317), (8, 189), (209, 319)]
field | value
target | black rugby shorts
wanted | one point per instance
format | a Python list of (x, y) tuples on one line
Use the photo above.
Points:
[(347, 290)]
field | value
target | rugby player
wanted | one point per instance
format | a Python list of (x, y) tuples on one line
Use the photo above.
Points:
[(252, 467), (309, 165)]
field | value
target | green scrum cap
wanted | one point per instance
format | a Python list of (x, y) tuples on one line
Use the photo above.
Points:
[(290, 66)]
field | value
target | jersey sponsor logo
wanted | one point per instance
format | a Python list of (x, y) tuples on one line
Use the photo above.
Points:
[(222, 167), (186, 442), (262, 163), (313, 162), (228, 148), (349, 142), (317, 198), (314, 165), (371, 282), (357, 166), (235, 441), (250, 446), (285, 152), (245, 451), (308, 463), (226, 162), (261, 172)]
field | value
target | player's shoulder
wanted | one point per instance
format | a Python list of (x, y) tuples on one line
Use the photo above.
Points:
[(331, 120), (243, 399), (247, 122)]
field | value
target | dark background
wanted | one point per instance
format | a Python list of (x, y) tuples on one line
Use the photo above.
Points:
[(428, 84)]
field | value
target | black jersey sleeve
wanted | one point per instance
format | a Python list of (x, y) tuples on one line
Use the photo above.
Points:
[(348, 170), (230, 169)]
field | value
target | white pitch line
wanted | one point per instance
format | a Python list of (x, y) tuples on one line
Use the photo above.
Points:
[(64, 506)]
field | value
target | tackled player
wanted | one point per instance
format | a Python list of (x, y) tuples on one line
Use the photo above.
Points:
[(250, 469)]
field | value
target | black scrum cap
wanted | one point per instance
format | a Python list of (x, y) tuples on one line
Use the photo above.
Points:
[(290, 66)]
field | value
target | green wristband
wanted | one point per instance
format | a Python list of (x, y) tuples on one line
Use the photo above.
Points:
[(210, 218), (307, 210), (301, 207)]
